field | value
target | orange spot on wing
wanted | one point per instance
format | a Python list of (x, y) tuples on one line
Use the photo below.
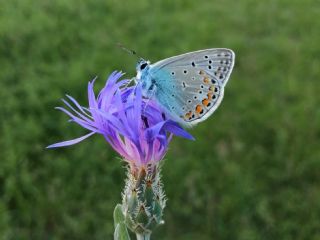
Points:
[(210, 94), (199, 109), (205, 102), (206, 80)]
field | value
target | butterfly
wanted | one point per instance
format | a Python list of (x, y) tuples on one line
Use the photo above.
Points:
[(189, 87)]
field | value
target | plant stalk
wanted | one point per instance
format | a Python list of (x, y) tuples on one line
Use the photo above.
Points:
[(145, 236)]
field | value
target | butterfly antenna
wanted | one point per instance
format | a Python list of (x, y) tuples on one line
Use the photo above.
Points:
[(130, 51)]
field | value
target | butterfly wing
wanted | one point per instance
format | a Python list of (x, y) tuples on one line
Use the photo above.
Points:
[(191, 86)]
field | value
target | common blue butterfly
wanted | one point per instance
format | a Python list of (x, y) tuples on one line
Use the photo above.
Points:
[(189, 87)]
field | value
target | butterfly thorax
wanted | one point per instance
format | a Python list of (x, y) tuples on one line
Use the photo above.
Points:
[(144, 78)]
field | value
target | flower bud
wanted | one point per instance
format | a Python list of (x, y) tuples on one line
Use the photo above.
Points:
[(143, 199)]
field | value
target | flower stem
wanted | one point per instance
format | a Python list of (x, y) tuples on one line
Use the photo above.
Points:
[(145, 236)]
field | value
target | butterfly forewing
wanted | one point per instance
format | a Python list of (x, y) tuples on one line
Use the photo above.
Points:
[(196, 84)]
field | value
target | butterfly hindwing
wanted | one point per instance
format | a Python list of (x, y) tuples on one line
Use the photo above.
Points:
[(217, 62), (191, 86)]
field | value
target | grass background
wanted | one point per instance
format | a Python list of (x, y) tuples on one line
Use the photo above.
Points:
[(253, 171)]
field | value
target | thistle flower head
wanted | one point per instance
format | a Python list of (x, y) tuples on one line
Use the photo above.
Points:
[(135, 127)]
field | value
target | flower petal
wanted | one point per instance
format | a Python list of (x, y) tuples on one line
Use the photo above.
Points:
[(70, 142), (169, 126), (174, 128)]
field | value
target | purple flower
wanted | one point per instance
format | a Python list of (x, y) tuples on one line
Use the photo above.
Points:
[(135, 127)]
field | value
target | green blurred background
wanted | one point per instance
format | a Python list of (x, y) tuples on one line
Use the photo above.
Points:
[(253, 171)]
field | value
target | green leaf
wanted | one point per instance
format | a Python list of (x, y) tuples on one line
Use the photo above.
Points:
[(121, 232), (118, 216)]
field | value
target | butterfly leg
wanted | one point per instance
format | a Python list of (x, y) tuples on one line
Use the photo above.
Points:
[(129, 82), (150, 96)]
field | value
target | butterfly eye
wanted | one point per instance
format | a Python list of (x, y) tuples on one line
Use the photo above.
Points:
[(143, 66)]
